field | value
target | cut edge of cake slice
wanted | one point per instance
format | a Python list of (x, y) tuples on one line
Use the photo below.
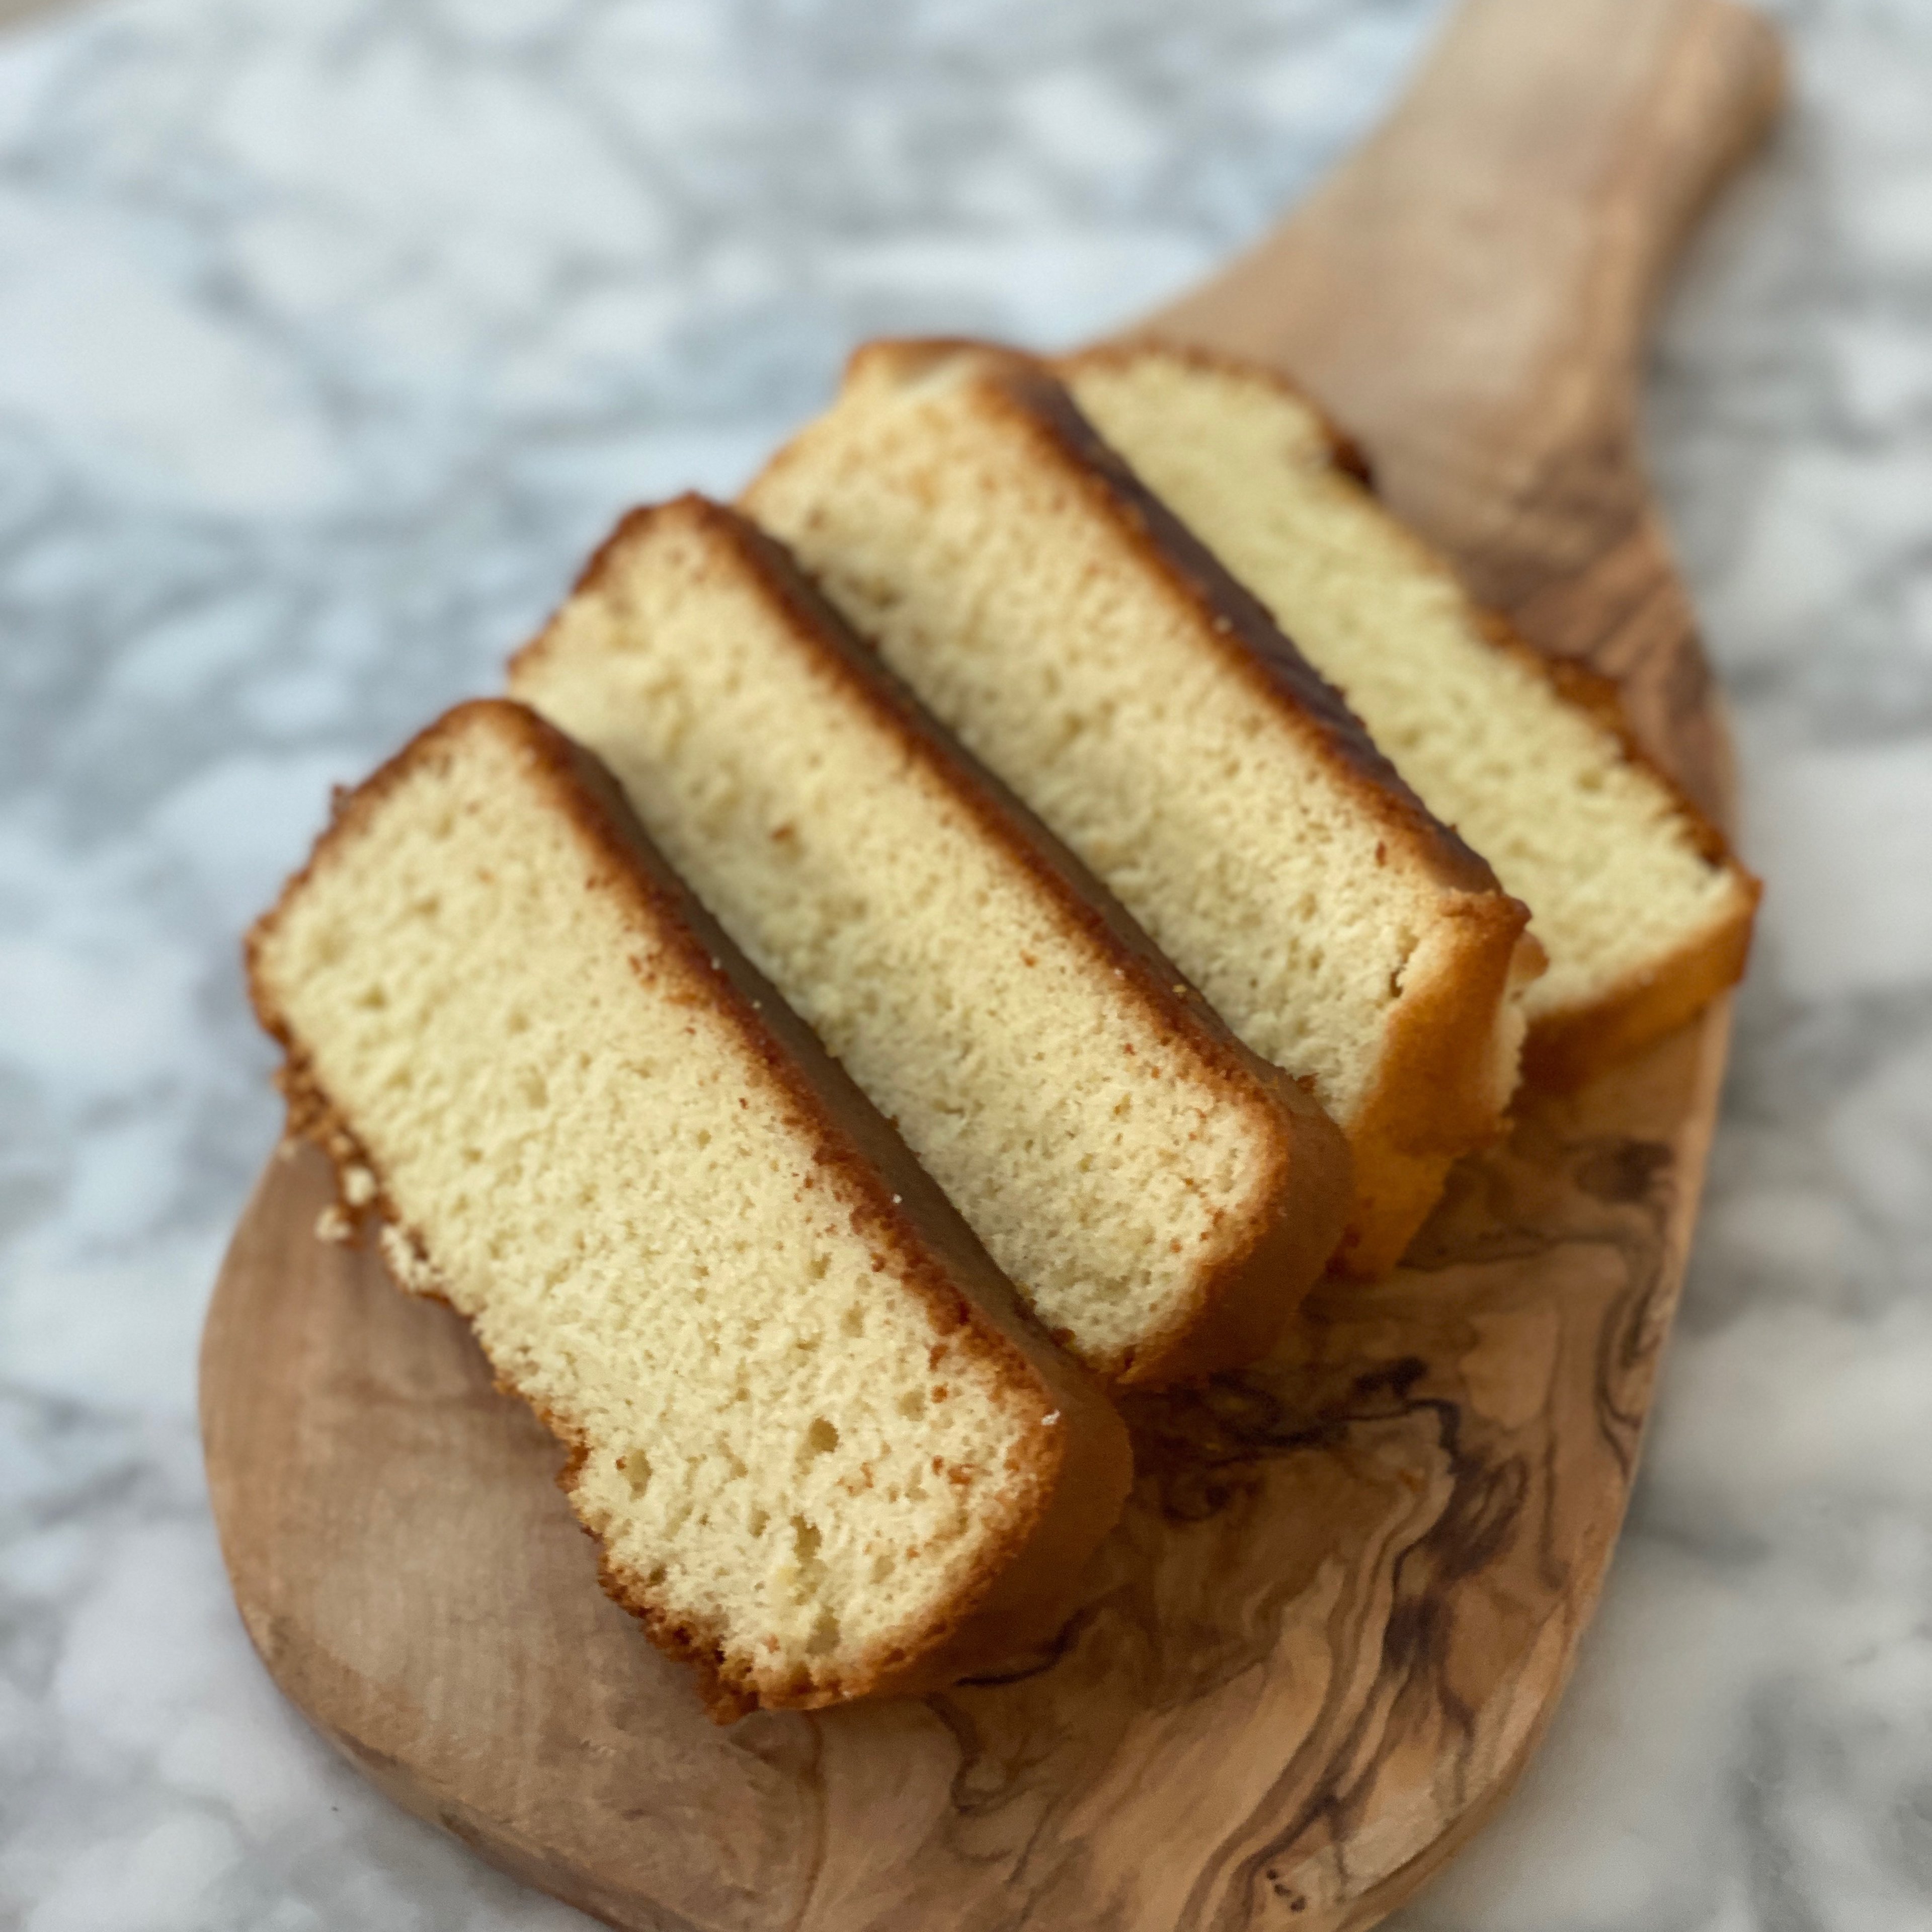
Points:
[(1448, 1063), (1064, 1463), (1575, 1029), (598, 670)]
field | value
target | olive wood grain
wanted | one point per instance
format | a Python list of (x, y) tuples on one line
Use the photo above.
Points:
[(1468, 293), (1350, 1585)]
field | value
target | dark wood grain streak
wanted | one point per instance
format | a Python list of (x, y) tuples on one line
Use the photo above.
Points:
[(1349, 1586)]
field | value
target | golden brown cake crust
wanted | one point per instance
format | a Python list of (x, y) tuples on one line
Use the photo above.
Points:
[(1344, 451), (1564, 1047), (1440, 1097), (1263, 1268), (1081, 1464), (1246, 633)]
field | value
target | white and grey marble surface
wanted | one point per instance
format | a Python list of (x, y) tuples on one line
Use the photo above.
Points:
[(333, 331)]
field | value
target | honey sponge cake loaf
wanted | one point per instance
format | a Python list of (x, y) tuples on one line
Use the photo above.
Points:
[(960, 512), (825, 1452), (1160, 1195), (1643, 912)]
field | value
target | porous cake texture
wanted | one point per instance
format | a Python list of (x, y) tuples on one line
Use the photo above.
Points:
[(1160, 1195), (1643, 912), (960, 512), (825, 1452)]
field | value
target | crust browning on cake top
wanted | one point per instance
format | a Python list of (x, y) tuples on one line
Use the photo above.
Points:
[(486, 971), (1645, 912), (958, 507), (1159, 1193), (1250, 641)]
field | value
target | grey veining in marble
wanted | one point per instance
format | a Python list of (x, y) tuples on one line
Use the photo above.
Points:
[(332, 334)]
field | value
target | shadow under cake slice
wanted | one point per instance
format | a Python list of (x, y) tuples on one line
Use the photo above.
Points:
[(1160, 1195), (1643, 912), (958, 508), (826, 1453)]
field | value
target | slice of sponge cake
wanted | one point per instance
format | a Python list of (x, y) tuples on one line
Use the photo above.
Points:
[(1643, 912), (825, 1452), (1160, 1194), (960, 512)]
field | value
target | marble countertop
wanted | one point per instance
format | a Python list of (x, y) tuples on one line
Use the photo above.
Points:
[(332, 334)]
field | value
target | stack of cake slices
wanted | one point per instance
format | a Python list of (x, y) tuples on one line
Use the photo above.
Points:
[(931, 949)]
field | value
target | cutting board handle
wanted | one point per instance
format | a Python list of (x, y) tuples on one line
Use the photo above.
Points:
[(1467, 295), (1518, 208)]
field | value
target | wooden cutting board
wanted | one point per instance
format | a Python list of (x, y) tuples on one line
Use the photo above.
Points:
[(1350, 1585)]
